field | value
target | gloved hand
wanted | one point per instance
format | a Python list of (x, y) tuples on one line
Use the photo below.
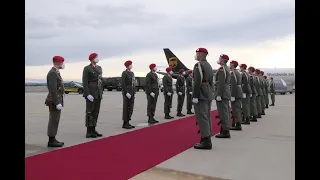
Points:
[(169, 94), (244, 95), (190, 93), (59, 107), (233, 99), (218, 98), (250, 95), (271, 93), (180, 93), (195, 100), (128, 96), (152, 94), (90, 98)]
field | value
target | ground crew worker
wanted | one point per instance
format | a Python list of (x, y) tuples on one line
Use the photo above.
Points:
[(180, 88), (259, 91), (93, 90), (54, 100), (253, 102), (128, 94), (247, 93), (167, 92), (189, 92), (263, 84), (202, 97), (223, 96), (272, 91), (152, 91), (266, 98), (236, 95)]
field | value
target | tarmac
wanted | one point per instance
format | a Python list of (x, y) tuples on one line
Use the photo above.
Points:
[(262, 151)]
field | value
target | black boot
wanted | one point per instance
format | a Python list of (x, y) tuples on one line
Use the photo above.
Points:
[(54, 143), (263, 113), (126, 125), (155, 121), (259, 115), (96, 132), (223, 134), (205, 144), (254, 119), (151, 120), (167, 116), (190, 112), (179, 114), (246, 121), (272, 104), (237, 127), (90, 133), (267, 106)]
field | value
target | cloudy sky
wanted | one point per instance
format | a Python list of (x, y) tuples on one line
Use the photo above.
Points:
[(256, 32)]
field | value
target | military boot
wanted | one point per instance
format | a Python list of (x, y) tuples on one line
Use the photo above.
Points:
[(223, 134), (267, 106), (179, 114), (150, 121), (126, 125), (259, 116), (54, 143), (263, 113), (167, 116), (272, 104), (204, 144), (155, 121), (90, 133), (254, 119), (96, 132), (190, 112), (237, 127)]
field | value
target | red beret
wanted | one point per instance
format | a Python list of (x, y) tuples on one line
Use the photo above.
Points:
[(234, 62), (258, 70), (265, 77), (181, 70), (261, 72), (151, 66), (243, 65), (58, 59), (224, 56), (190, 71), (168, 69), (127, 63), (271, 77), (204, 50), (252, 68), (92, 56)]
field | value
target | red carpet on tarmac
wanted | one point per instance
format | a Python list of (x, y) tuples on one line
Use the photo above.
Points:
[(117, 157)]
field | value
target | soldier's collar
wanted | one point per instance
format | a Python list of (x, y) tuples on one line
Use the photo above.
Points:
[(57, 70)]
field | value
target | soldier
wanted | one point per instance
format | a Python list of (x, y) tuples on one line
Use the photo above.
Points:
[(54, 100), (128, 94), (247, 93), (93, 90), (259, 92), (167, 92), (152, 91), (236, 95), (180, 88), (272, 91), (266, 98), (253, 102), (264, 93), (202, 97), (189, 92), (223, 96)]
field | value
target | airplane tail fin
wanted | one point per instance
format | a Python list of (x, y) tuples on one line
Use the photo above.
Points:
[(173, 61)]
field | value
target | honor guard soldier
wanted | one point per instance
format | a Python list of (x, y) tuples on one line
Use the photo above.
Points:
[(272, 91), (181, 91), (253, 102), (93, 90), (167, 92), (189, 92), (263, 84), (247, 93), (223, 95), (54, 100), (128, 94), (266, 98), (236, 95), (202, 97), (259, 91), (152, 91)]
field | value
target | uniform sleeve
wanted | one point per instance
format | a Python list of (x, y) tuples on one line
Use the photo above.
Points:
[(165, 84), (221, 82), (189, 84), (178, 84), (196, 82), (85, 82), (52, 87), (148, 83), (123, 82)]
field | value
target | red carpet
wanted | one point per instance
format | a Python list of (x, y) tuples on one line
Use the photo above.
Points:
[(118, 157)]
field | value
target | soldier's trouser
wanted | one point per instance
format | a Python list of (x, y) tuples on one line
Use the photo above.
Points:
[(253, 105), (258, 102), (266, 99), (224, 113), (180, 103), (246, 106), (236, 110), (167, 103), (92, 112), (273, 98), (189, 102), (54, 119), (263, 104), (128, 105), (203, 117), (151, 105)]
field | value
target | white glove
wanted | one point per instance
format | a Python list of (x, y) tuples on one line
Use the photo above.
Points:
[(180, 93), (169, 94), (195, 100), (244, 95), (90, 98), (152, 94), (233, 99), (190, 93), (271, 93), (59, 107), (218, 98), (128, 96), (250, 95)]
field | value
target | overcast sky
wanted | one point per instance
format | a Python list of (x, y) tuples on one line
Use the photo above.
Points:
[(255, 32)]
